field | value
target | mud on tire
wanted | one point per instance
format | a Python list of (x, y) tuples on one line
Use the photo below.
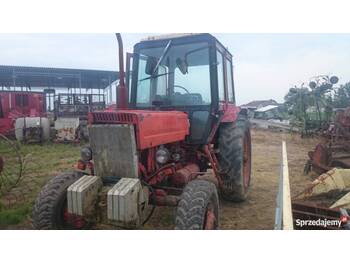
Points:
[(49, 206), (198, 207), (235, 159)]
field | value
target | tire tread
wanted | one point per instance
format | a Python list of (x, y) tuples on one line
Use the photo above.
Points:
[(191, 209)]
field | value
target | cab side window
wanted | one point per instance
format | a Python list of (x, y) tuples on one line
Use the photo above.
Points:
[(220, 69), (229, 78)]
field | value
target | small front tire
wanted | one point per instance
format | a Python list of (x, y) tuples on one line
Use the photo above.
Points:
[(198, 207), (50, 206)]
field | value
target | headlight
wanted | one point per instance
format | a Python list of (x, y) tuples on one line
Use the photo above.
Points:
[(86, 154), (162, 155)]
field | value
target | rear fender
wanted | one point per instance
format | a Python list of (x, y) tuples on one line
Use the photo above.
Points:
[(230, 112)]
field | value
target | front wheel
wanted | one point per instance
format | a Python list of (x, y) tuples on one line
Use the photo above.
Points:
[(50, 208), (198, 207)]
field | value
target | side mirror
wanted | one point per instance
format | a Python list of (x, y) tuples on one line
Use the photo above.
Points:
[(182, 66), (151, 64)]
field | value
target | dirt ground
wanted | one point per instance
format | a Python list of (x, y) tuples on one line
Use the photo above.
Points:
[(256, 213)]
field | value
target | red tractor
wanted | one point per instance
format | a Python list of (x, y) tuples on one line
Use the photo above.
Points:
[(177, 141)]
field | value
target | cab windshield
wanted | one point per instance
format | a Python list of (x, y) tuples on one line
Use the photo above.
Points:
[(173, 75)]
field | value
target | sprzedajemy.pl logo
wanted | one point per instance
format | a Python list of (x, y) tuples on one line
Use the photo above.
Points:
[(322, 222)]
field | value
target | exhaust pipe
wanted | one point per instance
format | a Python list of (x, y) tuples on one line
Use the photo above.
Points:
[(122, 91)]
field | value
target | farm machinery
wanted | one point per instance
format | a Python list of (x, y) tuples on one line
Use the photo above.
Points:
[(22, 113), (53, 102), (323, 204), (335, 151), (71, 112), (328, 197), (178, 141)]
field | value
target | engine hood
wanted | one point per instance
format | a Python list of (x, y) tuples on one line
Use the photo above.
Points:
[(152, 128)]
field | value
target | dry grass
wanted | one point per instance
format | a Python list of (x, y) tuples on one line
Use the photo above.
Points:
[(258, 212)]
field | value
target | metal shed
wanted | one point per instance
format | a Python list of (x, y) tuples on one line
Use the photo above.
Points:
[(26, 78)]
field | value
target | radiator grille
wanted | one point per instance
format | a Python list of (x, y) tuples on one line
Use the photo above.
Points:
[(114, 118)]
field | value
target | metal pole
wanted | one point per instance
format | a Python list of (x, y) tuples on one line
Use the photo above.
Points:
[(80, 83), (108, 90), (14, 79), (121, 91)]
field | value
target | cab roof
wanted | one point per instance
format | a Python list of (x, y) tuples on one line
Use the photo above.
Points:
[(162, 40)]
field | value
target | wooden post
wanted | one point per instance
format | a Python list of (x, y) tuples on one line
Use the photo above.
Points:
[(286, 199), (283, 213)]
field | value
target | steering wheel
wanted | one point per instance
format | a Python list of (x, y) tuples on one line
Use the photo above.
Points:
[(182, 88)]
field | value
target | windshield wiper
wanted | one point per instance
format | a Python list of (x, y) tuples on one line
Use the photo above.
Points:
[(155, 76), (165, 51)]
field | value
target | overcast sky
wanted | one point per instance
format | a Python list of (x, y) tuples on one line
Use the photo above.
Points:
[(265, 65)]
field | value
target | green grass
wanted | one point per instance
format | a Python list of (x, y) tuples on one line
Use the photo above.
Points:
[(49, 157), (41, 163), (14, 216)]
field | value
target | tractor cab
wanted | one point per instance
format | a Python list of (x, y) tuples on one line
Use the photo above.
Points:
[(190, 73)]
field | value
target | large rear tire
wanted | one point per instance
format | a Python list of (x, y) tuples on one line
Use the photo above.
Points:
[(50, 205), (235, 159), (198, 207)]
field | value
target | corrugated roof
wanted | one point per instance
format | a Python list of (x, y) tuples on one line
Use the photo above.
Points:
[(26, 76)]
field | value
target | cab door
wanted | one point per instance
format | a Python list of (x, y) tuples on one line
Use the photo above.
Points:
[(229, 81), (228, 104)]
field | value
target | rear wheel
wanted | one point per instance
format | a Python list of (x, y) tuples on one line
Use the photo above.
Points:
[(235, 159), (50, 208), (198, 207)]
